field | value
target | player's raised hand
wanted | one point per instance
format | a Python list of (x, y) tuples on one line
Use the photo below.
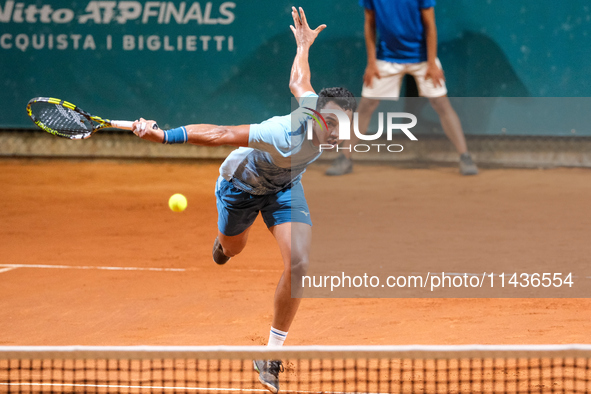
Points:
[(303, 34)]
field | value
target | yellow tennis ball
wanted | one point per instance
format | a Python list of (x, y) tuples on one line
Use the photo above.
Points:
[(177, 202)]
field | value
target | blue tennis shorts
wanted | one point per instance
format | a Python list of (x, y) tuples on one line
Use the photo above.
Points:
[(237, 209)]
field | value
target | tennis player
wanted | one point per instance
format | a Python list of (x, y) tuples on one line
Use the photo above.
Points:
[(264, 175)]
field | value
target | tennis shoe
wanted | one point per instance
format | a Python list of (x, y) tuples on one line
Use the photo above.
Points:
[(340, 166), (218, 253), (269, 373), (467, 166)]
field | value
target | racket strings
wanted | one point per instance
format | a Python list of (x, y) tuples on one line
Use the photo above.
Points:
[(61, 119)]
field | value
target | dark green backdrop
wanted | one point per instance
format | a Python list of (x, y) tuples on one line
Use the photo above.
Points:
[(489, 48)]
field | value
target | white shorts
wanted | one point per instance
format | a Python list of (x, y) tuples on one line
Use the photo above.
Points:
[(388, 86)]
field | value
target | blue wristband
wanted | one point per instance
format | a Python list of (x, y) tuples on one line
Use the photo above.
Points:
[(175, 136)]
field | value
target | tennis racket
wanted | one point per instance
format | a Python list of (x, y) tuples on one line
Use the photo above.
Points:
[(64, 119)]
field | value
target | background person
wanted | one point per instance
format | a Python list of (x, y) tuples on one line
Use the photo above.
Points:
[(405, 43)]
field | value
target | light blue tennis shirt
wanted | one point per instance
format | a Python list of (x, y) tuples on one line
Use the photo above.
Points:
[(277, 155)]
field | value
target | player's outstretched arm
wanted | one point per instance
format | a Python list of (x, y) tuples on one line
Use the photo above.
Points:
[(299, 82), (196, 134)]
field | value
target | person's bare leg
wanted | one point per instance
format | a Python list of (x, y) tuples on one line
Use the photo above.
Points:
[(225, 247), (233, 245), (365, 110), (294, 243), (453, 130), (294, 240), (450, 122), (343, 164)]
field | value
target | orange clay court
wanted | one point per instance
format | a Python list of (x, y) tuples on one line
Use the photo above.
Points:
[(91, 255)]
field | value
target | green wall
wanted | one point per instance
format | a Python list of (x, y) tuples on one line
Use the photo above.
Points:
[(489, 48)]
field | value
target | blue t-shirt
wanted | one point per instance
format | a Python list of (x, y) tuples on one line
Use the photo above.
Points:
[(277, 155), (401, 37)]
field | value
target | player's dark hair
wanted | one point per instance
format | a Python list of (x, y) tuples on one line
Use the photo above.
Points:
[(340, 96)]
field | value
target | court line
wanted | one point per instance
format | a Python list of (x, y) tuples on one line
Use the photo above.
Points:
[(165, 388), (85, 267), (8, 267)]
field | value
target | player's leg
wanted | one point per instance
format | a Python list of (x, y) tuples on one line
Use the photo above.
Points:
[(294, 240), (288, 218), (237, 211), (387, 87), (450, 122), (233, 245)]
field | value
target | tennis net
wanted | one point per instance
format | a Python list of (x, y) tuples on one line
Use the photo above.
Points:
[(316, 369)]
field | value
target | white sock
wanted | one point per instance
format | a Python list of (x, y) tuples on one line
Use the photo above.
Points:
[(276, 337)]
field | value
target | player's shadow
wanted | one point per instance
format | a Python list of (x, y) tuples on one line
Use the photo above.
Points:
[(476, 66)]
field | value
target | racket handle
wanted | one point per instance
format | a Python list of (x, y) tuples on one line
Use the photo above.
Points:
[(122, 124), (126, 125)]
